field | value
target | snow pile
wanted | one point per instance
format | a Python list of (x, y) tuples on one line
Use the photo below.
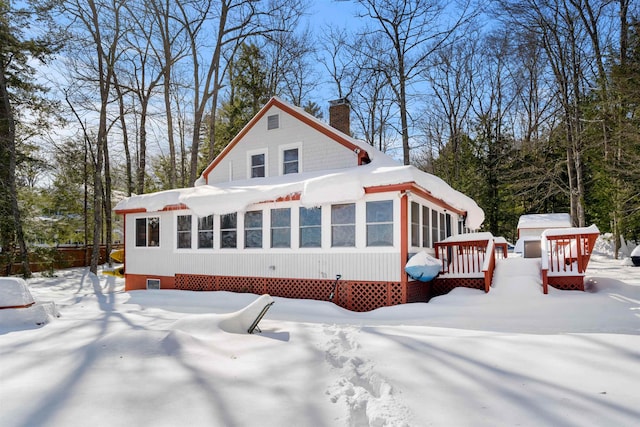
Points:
[(18, 309), (239, 322), (592, 229), (604, 245), (14, 292), (511, 357)]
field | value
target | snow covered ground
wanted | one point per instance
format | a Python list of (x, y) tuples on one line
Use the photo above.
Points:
[(164, 358)]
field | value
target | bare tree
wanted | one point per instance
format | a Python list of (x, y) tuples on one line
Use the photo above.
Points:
[(402, 36), (452, 77), (234, 22), (97, 28), (172, 48)]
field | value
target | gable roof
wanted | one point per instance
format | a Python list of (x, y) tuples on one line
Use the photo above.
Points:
[(306, 118)]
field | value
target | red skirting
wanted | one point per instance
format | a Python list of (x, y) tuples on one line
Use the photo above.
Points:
[(444, 286), (567, 283), (352, 295)]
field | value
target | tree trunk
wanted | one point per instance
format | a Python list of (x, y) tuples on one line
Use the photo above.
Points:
[(172, 145), (8, 145), (142, 161), (125, 136)]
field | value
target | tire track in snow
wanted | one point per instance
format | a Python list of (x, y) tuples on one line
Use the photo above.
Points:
[(367, 395)]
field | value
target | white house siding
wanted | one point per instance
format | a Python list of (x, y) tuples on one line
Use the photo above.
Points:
[(360, 263), (317, 151)]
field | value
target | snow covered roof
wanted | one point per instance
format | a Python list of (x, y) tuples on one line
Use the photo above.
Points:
[(544, 221), (314, 189), (592, 229)]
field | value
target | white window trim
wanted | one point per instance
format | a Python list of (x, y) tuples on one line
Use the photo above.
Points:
[(175, 230), (251, 153), (146, 217), (282, 149)]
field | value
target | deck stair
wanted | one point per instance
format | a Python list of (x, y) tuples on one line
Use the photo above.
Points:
[(517, 275)]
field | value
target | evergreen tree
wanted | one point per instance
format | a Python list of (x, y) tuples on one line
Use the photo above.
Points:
[(18, 91), (248, 92)]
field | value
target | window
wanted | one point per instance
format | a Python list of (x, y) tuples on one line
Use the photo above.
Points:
[(434, 227), (141, 232), (253, 229), (380, 223), (228, 230), (148, 231), (443, 230), (449, 225), (290, 161), (425, 227), (153, 283), (205, 232), (184, 231), (310, 227), (281, 228), (273, 122), (258, 167), (415, 224), (343, 225)]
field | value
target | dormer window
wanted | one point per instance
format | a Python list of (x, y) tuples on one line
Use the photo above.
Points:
[(273, 122)]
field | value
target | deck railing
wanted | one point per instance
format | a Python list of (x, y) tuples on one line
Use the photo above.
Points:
[(565, 254), (467, 259)]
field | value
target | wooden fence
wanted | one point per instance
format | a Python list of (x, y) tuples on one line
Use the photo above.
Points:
[(46, 259)]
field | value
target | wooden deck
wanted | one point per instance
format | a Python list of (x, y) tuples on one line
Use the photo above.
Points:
[(465, 264), (565, 256)]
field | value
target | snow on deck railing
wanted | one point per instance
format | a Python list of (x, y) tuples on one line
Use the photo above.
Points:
[(489, 265), (566, 252)]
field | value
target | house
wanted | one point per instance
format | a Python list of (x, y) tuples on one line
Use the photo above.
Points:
[(295, 207)]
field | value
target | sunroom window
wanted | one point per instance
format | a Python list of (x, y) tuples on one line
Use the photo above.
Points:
[(425, 227), (253, 229), (281, 228), (148, 232), (380, 223), (310, 227), (434, 227), (228, 231), (205, 232), (415, 224), (343, 225), (184, 231)]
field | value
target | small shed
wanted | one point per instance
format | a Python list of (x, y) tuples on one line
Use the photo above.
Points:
[(530, 228)]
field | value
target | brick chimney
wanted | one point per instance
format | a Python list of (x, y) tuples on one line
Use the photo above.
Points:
[(340, 115)]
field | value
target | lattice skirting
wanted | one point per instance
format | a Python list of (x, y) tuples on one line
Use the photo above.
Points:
[(444, 286), (567, 283), (418, 291), (352, 295)]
